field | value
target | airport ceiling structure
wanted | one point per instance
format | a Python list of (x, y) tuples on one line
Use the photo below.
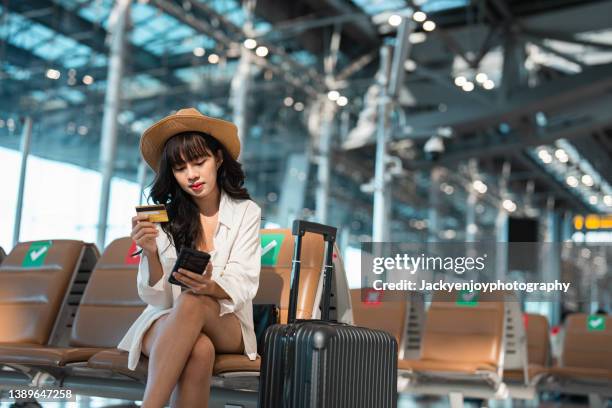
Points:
[(517, 92)]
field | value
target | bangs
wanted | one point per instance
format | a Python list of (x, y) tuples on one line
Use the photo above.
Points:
[(186, 147)]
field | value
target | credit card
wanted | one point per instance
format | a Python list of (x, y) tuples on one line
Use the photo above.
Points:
[(156, 213)]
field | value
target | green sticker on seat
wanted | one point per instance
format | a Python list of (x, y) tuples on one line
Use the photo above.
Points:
[(270, 248), (36, 254), (596, 323), (467, 298)]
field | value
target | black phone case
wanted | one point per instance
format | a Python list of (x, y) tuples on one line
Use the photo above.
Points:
[(192, 260)]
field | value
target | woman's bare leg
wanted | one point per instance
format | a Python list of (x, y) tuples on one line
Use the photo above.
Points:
[(193, 388), (173, 345), (151, 334), (174, 341)]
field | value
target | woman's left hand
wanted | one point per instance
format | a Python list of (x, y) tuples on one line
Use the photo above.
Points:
[(200, 284)]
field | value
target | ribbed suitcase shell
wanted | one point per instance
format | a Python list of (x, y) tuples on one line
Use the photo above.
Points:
[(320, 364)]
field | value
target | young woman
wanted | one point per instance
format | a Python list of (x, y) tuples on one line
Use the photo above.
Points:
[(201, 184)]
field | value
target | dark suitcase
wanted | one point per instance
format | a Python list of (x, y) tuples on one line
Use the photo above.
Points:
[(325, 364)]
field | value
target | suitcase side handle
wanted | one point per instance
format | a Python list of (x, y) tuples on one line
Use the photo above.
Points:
[(300, 227)]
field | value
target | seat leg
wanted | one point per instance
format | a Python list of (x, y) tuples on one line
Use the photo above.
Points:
[(455, 399), (595, 401), (26, 403)]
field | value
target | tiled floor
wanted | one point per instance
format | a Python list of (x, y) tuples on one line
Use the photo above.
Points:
[(404, 401), (81, 402)]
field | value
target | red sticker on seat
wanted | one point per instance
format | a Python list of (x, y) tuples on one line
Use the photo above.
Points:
[(372, 297), (132, 260), (525, 319)]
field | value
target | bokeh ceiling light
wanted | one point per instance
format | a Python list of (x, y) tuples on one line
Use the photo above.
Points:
[(419, 16), (481, 77), (333, 95), (572, 181), (468, 86), (261, 51), (561, 155), (429, 25), (587, 180), (460, 80), (545, 156), (53, 74), (417, 38), (480, 186), (250, 43), (509, 205), (395, 20)]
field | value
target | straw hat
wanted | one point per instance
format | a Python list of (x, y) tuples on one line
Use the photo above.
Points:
[(186, 120)]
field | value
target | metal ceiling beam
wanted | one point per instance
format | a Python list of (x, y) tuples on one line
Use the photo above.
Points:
[(290, 65), (309, 21), (514, 74), (498, 145), (566, 37), (62, 20), (580, 17), (553, 184), (20, 88), (180, 94), (343, 7), (301, 24), (21, 57), (198, 17), (596, 152), (540, 43), (592, 82)]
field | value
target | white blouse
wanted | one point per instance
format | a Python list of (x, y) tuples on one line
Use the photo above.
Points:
[(236, 262)]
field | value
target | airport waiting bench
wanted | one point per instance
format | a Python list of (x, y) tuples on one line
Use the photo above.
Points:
[(462, 349), (90, 364), (400, 314), (439, 353), (522, 380), (585, 364), (39, 281)]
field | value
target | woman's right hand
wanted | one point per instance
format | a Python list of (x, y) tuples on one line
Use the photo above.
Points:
[(144, 233)]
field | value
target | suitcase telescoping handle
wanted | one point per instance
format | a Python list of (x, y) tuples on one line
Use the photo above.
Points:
[(301, 227)]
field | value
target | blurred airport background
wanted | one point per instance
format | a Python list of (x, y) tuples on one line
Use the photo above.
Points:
[(408, 121), (394, 120)]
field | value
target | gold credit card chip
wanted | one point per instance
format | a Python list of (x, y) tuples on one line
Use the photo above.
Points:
[(156, 213)]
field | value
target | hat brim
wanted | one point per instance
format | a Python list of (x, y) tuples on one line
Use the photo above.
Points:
[(154, 138)]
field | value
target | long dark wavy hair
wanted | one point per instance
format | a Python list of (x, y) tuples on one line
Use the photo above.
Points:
[(182, 229)]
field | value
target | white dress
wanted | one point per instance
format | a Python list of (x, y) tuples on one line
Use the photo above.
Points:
[(236, 264)]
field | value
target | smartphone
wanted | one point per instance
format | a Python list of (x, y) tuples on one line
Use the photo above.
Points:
[(156, 213), (192, 260)]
